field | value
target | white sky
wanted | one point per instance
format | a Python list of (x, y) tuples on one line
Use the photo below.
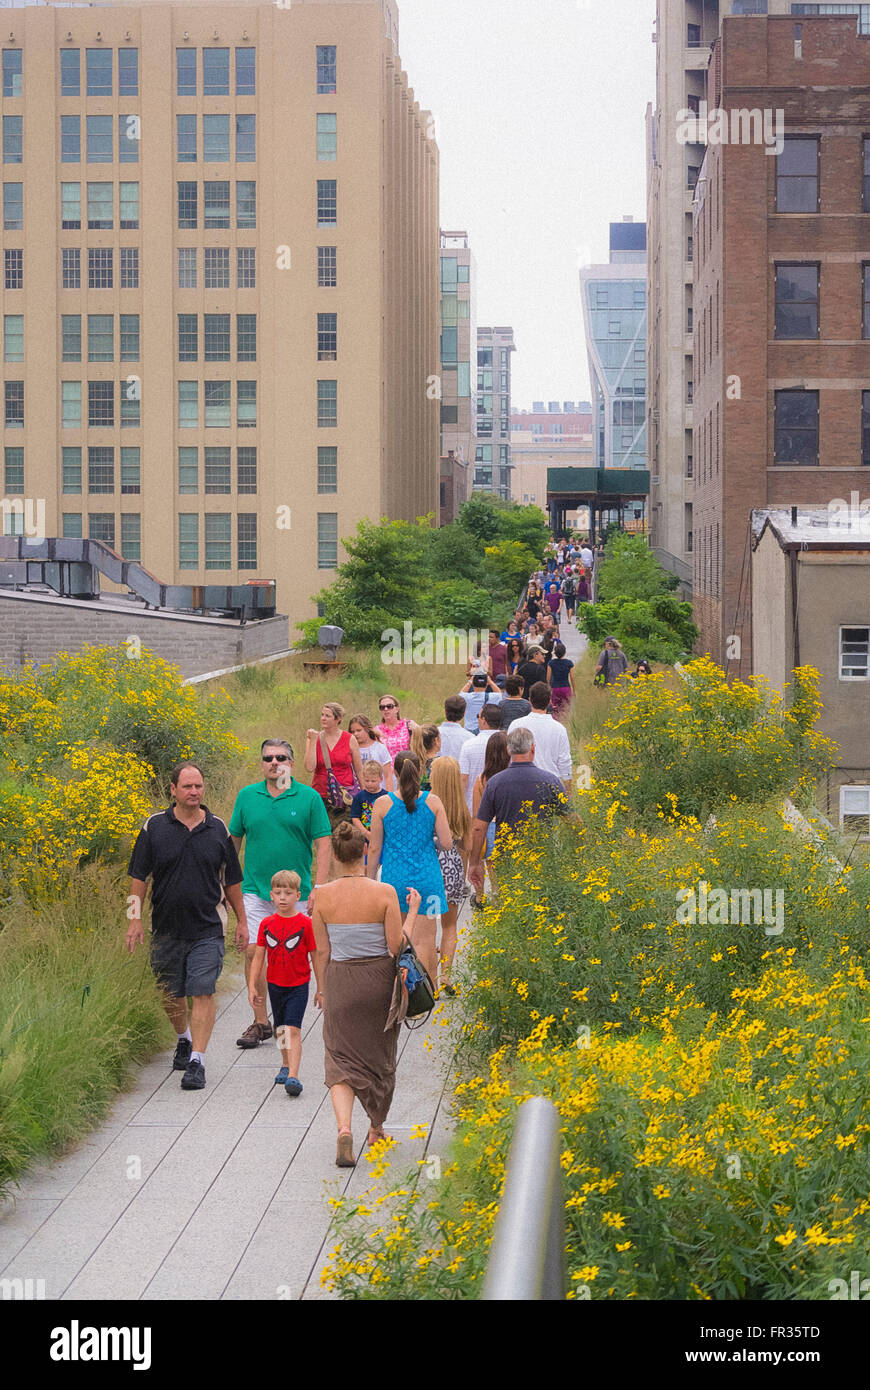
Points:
[(539, 116)]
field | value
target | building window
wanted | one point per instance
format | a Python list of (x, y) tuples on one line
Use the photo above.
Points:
[(327, 468), (246, 267), (217, 470), (128, 72), (216, 72), (70, 72), (130, 470), (693, 173), (216, 139), (185, 72), (614, 328), (796, 427), (71, 205), (246, 337), (187, 205), (327, 202), (187, 268), (14, 401), (185, 139), (71, 337), (217, 405), (246, 531), (71, 404), (13, 338), (130, 398), (12, 72), (14, 469), (797, 174), (71, 469), (13, 207), (13, 267), (188, 338), (327, 540), (690, 392), (866, 182), (128, 139), (100, 206), (217, 267), (246, 139), (246, 76), (71, 268), (216, 337), (131, 536), (188, 541), (70, 140), (101, 404), (327, 266), (326, 69), (101, 338), (101, 527), (100, 145), (855, 809), (188, 405), (327, 404), (246, 404), (129, 206), (101, 275), (101, 469), (188, 470), (129, 267), (72, 526), (854, 653), (449, 414), (688, 526), (866, 304), (98, 68), (246, 203), (797, 301), (693, 36), (449, 347), (690, 248), (217, 541), (327, 337), (246, 469), (327, 136)]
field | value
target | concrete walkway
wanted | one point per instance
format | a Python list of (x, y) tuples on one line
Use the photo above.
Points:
[(218, 1193)]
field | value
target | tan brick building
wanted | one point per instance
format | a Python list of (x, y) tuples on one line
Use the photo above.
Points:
[(220, 243), (781, 302)]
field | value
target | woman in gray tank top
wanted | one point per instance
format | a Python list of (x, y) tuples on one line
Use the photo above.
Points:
[(358, 929)]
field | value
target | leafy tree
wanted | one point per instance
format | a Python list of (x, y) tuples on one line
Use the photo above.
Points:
[(479, 516), (631, 570), (659, 628)]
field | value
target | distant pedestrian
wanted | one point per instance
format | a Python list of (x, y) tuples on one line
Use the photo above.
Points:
[(552, 749), (584, 592), (330, 750), (642, 668), (569, 593), (426, 743), (395, 732), (515, 656), (496, 760), (473, 754), (560, 678), (452, 729), (612, 662), (447, 786), (513, 706), (533, 669), (191, 860), (371, 746), (523, 789), (497, 659), (478, 691), (587, 558), (358, 930)]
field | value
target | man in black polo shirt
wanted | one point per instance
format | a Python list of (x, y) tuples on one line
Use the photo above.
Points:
[(510, 796), (192, 862)]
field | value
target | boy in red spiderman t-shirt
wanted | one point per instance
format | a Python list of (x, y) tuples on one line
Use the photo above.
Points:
[(287, 940)]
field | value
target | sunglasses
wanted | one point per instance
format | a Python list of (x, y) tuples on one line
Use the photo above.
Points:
[(383, 707), (276, 758)]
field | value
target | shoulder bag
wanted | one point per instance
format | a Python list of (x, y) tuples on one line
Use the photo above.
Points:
[(419, 987), (339, 798)]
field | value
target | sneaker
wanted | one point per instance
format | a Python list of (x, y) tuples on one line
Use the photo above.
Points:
[(252, 1036), (265, 1031), (281, 1078), (293, 1086), (182, 1054), (194, 1077)]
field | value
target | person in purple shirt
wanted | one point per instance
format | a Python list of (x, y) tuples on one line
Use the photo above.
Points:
[(497, 653)]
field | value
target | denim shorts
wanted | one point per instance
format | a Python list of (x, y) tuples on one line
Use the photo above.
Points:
[(187, 968), (289, 1003)]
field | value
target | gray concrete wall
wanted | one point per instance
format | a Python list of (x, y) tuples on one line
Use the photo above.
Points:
[(34, 627)]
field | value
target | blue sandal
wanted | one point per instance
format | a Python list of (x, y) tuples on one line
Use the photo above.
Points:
[(281, 1078), (293, 1086)]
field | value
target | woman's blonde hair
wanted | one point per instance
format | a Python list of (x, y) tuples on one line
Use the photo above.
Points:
[(337, 710), (446, 782), (423, 740)]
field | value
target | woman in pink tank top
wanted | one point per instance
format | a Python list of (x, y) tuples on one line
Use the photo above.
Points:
[(395, 732)]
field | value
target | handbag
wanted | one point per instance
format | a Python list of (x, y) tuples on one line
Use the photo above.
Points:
[(421, 991), (338, 798)]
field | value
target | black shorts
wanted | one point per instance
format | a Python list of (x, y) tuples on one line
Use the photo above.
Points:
[(187, 967), (289, 1003)]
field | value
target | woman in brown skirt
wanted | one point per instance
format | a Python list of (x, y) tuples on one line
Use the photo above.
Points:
[(358, 930)]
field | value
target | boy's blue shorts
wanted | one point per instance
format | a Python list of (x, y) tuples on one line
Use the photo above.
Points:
[(289, 1003)]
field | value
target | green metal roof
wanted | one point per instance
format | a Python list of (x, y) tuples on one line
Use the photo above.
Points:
[(617, 482)]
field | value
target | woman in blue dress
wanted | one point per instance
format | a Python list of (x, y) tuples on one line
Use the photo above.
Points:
[(406, 833)]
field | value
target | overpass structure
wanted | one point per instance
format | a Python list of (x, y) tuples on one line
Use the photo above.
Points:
[(611, 494)]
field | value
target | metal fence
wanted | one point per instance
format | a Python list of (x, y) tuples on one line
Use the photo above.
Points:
[(527, 1257)]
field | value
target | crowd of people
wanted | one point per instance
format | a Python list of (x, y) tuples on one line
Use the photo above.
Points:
[(409, 811)]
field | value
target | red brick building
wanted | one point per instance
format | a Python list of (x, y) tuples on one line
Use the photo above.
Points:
[(781, 300)]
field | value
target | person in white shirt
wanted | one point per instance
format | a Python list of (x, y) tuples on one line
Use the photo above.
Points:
[(478, 691), (552, 749), (586, 556), (453, 735), (473, 753)]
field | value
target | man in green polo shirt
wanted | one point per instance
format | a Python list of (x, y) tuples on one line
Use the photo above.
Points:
[(281, 820)]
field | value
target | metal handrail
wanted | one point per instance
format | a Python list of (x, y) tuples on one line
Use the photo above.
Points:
[(527, 1255)]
